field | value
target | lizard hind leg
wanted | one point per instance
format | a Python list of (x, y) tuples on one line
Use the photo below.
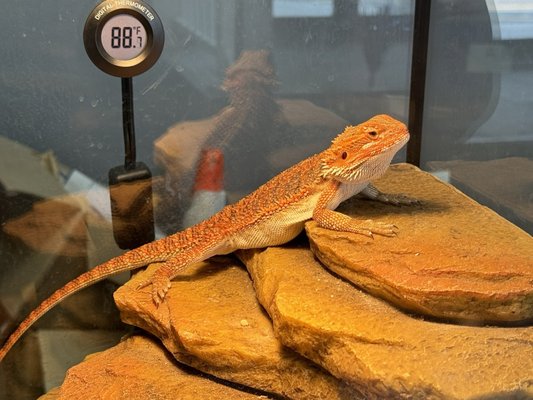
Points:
[(174, 265), (167, 270), (373, 193)]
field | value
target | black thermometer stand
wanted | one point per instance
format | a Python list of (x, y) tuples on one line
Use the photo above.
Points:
[(128, 124), (125, 39), (130, 186)]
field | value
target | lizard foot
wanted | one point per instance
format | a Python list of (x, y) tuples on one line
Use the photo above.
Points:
[(397, 199), (160, 285), (370, 228)]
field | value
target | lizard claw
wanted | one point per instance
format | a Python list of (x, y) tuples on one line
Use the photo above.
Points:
[(401, 199), (143, 284), (370, 228), (397, 199), (379, 228), (160, 286), (366, 232)]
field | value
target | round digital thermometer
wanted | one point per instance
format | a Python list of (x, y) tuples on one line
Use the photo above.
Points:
[(123, 37)]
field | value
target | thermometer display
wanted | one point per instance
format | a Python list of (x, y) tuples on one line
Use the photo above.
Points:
[(123, 37)]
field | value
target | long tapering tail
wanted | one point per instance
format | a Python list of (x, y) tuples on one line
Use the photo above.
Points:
[(126, 262)]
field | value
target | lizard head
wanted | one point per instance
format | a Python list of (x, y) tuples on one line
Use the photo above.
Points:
[(364, 152)]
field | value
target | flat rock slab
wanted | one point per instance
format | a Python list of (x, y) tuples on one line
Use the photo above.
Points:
[(452, 258), (138, 369), (211, 320), (379, 350)]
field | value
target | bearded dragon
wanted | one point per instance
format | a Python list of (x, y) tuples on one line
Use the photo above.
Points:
[(272, 215)]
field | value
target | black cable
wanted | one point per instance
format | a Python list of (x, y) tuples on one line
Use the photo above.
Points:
[(128, 124)]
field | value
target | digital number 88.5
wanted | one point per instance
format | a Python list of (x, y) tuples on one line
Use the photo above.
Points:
[(121, 37)]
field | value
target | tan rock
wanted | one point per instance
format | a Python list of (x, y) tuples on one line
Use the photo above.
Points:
[(452, 258), (211, 320), (139, 368), (378, 349)]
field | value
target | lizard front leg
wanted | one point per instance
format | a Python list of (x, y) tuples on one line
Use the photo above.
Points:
[(373, 193), (327, 218)]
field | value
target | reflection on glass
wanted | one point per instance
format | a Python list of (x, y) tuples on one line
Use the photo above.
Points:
[(477, 119)]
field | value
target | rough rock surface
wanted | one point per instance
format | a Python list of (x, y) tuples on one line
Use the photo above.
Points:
[(452, 258), (381, 351), (211, 320), (137, 369)]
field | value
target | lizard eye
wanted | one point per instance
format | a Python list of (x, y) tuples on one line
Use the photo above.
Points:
[(373, 134), (344, 155)]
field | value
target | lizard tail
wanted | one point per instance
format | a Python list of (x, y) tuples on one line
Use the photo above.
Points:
[(128, 261)]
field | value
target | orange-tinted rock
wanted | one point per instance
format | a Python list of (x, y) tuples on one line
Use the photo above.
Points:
[(211, 320), (381, 351), (452, 258), (139, 368)]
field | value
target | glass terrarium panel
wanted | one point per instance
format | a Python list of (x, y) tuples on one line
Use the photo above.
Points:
[(477, 119)]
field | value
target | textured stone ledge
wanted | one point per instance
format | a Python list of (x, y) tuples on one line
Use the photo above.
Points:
[(138, 369), (452, 258), (379, 350), (211, 320)]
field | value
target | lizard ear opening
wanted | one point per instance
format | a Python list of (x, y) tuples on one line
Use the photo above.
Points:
[(344, 155)]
